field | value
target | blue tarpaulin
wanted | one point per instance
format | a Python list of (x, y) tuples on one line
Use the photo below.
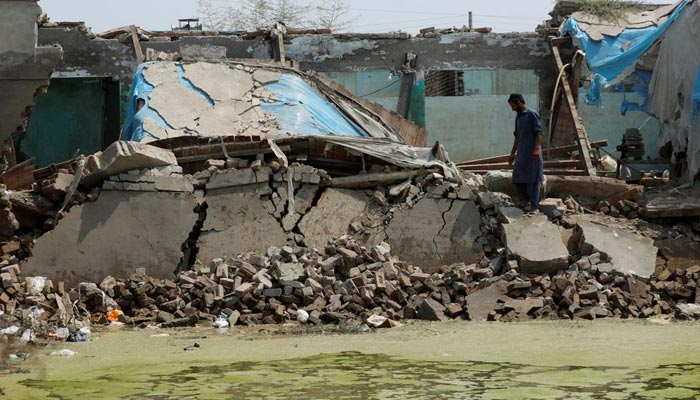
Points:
[(612, 58), (298, 108), (640, 85), (301, 110)]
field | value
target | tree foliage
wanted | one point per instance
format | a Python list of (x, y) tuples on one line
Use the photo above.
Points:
[(253, 15)]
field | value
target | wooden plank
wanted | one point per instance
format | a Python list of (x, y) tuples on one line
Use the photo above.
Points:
[(564, 172), (404, 103), (555, 151), (581, 135), (137, 44), (547, 164), (20, 176)]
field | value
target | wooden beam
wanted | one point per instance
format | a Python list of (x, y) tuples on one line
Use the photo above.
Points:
[(506, 166), (278, 43), (555, 151), (404, 104), (137, 44), (565, 172), (20, 176), (581, 135), (559, 40)]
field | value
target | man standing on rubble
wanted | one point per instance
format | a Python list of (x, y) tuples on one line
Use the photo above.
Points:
[(528, 171)]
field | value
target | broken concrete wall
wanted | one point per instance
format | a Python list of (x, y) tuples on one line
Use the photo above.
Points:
[(437, 232), (24, 67), (119, 233)]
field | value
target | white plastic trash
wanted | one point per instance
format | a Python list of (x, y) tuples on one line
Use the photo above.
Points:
[(63, 353), (35, 285), (221, 323), (62, 333), (9, 330), (608, 164), (302, 316), (28, 336)]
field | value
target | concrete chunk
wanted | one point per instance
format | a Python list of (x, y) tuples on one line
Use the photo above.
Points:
[(537, 243), (431, 310), (627, 252), (125, 156)]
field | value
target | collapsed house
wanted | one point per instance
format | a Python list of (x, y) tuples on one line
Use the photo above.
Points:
[(251, 189), (649, 56)]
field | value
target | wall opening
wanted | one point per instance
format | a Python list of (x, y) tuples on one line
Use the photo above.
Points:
[(444, 83)]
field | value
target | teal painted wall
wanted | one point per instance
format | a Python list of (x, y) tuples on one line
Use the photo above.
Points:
[(472, 127), (479, 124), (70, 116), (606, 122)]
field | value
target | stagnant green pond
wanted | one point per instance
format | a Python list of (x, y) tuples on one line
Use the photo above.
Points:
[(423, 361)]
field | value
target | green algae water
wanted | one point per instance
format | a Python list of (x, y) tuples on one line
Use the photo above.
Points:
[(353, 375), (422, 361)]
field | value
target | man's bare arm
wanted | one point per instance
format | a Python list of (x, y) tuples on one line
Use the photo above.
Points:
[(511, 159)]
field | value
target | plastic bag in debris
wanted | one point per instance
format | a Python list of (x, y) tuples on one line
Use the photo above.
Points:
[(35, 285), (9, 331), (222, 321), (302, 316), (113, 316), (498, 181), (35, 316), (81, 335), (608, 164), (28, 336)]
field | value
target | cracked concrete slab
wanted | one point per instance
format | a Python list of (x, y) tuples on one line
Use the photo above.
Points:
[(537, 243), (118, 233), (627, 252), (331, 217), (160, 73), (178, 114), (124, 156), (436, 232), (224, 119), (218, 80), (264, 77), (237, 222)]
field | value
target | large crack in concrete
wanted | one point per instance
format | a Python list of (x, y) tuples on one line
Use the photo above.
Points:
[(190, 249), (442, 228)]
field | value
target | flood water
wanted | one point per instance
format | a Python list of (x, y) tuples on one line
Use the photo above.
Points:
[(424, 361)]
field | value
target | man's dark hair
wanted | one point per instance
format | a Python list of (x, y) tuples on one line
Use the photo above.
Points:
[(516, 98)]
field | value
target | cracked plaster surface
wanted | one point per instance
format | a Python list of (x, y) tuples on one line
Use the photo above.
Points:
[(435, 232)]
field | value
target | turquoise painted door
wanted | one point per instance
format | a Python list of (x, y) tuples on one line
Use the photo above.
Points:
[(68, 118)]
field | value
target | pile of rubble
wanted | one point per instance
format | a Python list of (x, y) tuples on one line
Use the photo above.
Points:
[(352, 282), (623, 208)]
